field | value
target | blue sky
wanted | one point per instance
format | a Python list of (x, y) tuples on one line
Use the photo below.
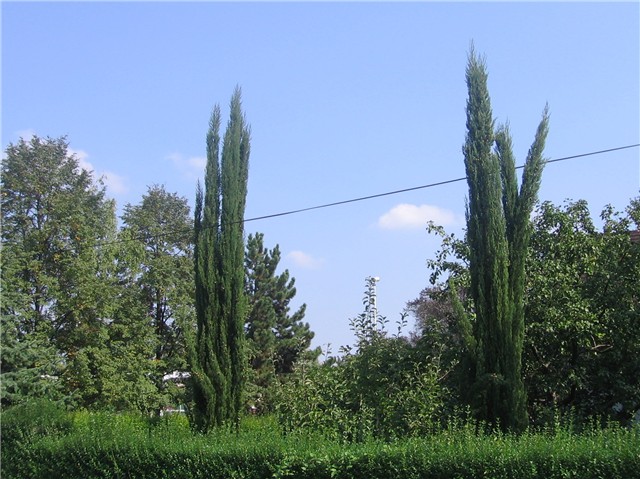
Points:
[(344, 100)]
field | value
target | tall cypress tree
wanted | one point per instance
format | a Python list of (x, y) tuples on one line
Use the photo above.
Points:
[(498, 230), (217, 356)]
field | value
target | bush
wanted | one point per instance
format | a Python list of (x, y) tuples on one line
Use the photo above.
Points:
[(34, 419), (259, 451), (386, 390)]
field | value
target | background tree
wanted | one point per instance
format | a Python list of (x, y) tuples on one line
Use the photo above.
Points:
[(260, 266), (583, 344), (164, 278), (276, 338), (54, 217), (218, 357), (498, 233), (71, 324)]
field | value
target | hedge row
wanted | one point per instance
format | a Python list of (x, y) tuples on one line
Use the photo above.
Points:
[(606, 454)]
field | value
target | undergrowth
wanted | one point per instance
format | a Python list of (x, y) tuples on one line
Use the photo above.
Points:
[(104, 445)]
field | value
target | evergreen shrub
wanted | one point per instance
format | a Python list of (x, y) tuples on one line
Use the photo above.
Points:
[(126, 447)]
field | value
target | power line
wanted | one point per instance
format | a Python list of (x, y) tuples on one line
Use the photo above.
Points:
[(430, 185), (380, 195)]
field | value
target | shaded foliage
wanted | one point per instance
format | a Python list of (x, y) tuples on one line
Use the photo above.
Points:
[(217, 358), (581, 304)]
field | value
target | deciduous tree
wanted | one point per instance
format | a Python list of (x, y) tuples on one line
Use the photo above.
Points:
[(164, 280), (583, 343), (54, 217)]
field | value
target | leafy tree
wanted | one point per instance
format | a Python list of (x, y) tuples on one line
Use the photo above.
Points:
[(276, 339), (217, 359), (54, 217), (384, 387), (580, 345), (583, 344), (163, 273), (498, 232), (71, 327), (437, 335)]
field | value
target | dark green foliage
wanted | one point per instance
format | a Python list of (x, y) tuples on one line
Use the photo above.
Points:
[(581, 346), (218, 356), (582, 350), (497, 234), (28, 364), (276, 338), (112, 446)]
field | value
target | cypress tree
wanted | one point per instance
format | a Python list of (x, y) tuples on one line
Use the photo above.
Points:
[(498, 230), (217, 355)]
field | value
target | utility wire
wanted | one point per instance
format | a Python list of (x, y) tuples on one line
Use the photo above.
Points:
[(430, 185), (379, 195)]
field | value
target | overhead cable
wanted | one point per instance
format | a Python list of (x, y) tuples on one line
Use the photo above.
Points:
[(379, 195)]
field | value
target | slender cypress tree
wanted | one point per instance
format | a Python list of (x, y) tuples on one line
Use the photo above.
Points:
[(498, 230), (217, 355)]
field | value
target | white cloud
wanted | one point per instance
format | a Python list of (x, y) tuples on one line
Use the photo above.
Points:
[(407, 216), (82, 156), (115, 184), (192, 167), (304, 260), (197, 162), (26, 135)]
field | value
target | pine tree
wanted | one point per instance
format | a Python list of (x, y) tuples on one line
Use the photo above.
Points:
[(276, 338), (217, 359), (498, 231)]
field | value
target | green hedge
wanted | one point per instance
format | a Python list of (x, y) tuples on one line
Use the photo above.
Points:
[(101, 445), (607, 455)]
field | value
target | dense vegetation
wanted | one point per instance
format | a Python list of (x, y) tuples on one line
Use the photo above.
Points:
[(524, 361), (43, 442), (101, 318)]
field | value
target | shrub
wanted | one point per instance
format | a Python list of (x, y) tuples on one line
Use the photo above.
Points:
[(259, 451), (34, 419)]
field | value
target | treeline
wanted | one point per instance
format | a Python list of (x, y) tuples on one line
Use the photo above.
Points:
[(99, 316), (525, 323)]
